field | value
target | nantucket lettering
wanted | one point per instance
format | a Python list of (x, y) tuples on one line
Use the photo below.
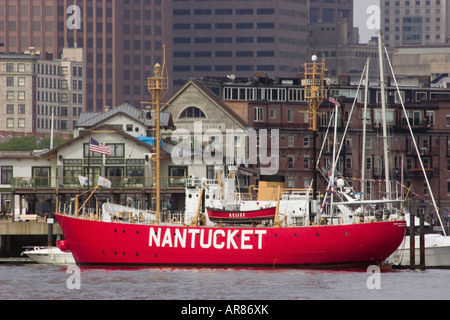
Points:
[(201, 238)]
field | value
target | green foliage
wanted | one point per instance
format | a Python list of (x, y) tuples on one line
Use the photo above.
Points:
[(29, 143)]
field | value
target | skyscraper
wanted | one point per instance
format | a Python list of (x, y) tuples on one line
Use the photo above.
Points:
[(235, 37), (122, 41)]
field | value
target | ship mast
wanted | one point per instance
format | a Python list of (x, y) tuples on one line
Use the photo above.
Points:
[(314, 95), (383, 117), (157, 86)]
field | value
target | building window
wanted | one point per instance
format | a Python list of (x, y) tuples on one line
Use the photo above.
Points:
[(273, 113), (117, 150), (290, 182), (290, 162), (7, 174), (41, 176), (368, 163), (21, 109), (290, 141), (192, 112), (348, 163), (306, 142), (425, 189), (64, 97), (178, 171), (10, 81), (71, 173), (21, 123), (10, 109), (290, 115), (21, 82), (9, 95), (306, 162), (258, 114), (10, 123)]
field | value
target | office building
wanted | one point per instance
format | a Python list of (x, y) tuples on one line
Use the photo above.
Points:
[(33, 91), (415, 22), (122, 41), (220, 38)]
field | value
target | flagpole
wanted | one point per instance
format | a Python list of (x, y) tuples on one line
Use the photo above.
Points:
[(89, 162)]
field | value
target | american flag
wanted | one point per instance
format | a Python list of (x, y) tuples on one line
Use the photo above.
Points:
[(334, 101), (97, 147)]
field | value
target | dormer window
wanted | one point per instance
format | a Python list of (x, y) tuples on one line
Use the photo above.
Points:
[(192, 112)]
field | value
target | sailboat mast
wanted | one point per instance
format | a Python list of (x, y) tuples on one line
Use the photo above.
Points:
[(364, 118), (383, 116)]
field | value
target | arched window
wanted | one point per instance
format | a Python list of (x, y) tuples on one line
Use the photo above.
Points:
[(192, 112)]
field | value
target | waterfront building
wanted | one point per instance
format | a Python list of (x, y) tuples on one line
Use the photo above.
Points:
[(273, 104), (280, 104), (35, 91)]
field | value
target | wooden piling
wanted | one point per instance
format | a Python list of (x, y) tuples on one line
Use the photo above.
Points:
[(422, 240), (412, 242)]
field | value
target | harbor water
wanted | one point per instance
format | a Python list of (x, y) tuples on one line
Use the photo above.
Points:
[(49, 282)]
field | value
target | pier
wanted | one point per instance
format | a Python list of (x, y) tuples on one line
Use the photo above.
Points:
[(16, 235)]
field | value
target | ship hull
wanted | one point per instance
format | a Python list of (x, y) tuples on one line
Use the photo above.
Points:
[(97, 243)]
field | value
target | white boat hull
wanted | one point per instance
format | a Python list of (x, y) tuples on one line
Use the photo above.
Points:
[(51, 255), (437, 252)]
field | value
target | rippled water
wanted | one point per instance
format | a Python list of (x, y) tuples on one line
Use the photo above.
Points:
[(43, 282)]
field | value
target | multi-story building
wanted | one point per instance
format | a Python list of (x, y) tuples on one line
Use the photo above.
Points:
[(122, 41), (220, 38), (34, 91), (415, 22), (329, 14), (17, 102)]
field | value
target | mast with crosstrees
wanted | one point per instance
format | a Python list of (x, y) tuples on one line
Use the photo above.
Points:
[(157, 86), (314, 94)]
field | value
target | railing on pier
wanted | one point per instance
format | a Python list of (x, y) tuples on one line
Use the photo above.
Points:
[(134, 182)]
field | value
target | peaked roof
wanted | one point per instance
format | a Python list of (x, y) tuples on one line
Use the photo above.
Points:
[(212, 97), (165, 153), (91, 119)]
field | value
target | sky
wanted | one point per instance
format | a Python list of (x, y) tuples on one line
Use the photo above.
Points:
[(361, 17)]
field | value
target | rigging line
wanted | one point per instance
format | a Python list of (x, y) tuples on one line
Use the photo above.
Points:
[(415, 143), (350, 114), (324, 140)]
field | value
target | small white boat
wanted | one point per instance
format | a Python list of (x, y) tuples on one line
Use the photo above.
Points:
[(437, 248), (437, 251), (49, 255)]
